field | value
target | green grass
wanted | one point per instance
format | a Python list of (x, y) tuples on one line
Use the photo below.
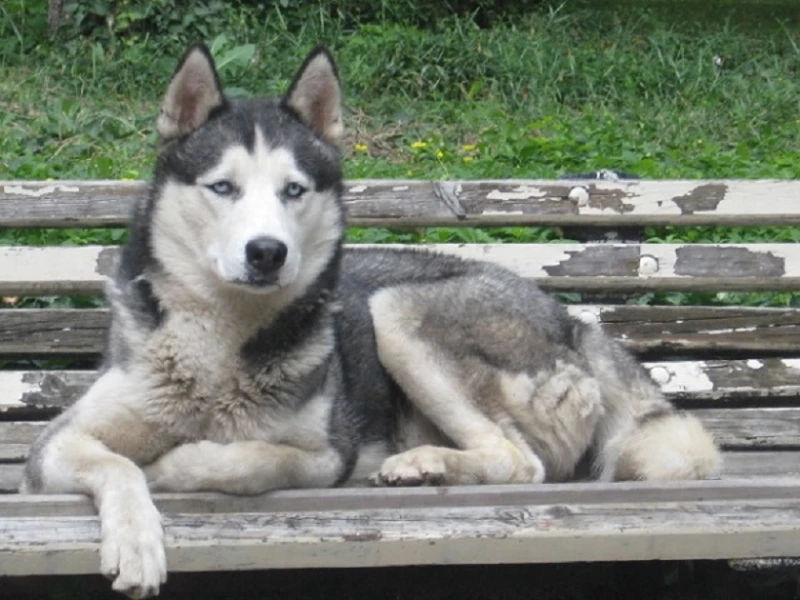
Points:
[(558, 90), (553, 92)]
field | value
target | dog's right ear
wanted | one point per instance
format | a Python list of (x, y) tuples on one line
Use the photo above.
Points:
[(193, 92), (315, 96)]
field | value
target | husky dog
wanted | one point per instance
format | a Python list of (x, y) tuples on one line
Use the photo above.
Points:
[(249, 352)]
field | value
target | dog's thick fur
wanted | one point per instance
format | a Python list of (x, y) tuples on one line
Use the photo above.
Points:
[(248, 351)]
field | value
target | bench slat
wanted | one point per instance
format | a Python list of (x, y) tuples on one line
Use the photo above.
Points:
[(664, 330), (384, 537), (752, 465), (370, 498), (568, 267), (390, 203), (740, 428), (743, 428), (711, 382)]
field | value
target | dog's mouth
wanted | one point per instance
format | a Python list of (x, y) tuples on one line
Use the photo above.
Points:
[(258, 282)]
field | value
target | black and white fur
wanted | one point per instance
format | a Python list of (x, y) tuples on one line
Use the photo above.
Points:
[(249, 352)]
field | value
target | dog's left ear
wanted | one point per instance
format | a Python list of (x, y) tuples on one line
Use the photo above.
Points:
[(316, 97), (193, 92)]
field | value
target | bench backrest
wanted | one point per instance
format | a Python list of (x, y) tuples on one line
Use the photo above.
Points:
[(737, 367)]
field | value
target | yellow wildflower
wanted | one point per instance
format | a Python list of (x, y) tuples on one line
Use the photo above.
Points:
[(468, 147), (439, 154), (419, 145), (467, 159), (361, 147)]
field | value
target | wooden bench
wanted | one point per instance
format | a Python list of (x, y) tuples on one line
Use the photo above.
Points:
[(737, 368)]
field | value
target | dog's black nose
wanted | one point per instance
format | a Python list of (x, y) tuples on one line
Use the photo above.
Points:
[(265, 254)]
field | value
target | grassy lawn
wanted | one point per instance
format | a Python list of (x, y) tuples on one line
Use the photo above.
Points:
[(663, 89)]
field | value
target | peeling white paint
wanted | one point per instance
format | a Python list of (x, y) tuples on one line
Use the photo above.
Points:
[(686, 377), (29, 266), (14, 389), (792, 363), (400, 188), (660, 375), (19, 190), (648, 265), (579, 195), (357, 189), (754, 364), (504, 213), (522, 192), (724, 331)]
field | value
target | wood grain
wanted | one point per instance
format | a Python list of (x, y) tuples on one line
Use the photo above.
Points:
[(713, 383), (654, 330), (756, 465), (388, 537), (566, 267), (388, 203), (740, 428)]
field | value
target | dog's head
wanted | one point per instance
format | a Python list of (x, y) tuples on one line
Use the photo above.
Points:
[(247, 192)]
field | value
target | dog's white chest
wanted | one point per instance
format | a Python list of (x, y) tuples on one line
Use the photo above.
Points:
[(200, 385)]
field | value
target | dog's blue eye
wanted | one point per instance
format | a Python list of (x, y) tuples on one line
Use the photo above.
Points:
[(294, 190), (221, 188)]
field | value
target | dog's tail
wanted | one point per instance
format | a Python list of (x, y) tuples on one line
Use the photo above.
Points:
[(641, 435)]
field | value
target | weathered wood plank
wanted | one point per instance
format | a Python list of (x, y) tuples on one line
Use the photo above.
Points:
[(659, 330), (16, 438), (702, 329), (10, 478), (751, 465), (383, 537), (740, 428), (576, 267), (26, 390), (470, 203), (719, 381), (68, 203), (369, 498), (745, 428), (711, 382), (758, 464), (53, 332), (48, 270)]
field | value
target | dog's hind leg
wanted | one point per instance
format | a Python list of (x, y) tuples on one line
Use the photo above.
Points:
[(71, 456), (641, 435), (485, 453)]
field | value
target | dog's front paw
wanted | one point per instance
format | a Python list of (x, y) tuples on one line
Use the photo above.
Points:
[(132, 549), (419, 466)]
